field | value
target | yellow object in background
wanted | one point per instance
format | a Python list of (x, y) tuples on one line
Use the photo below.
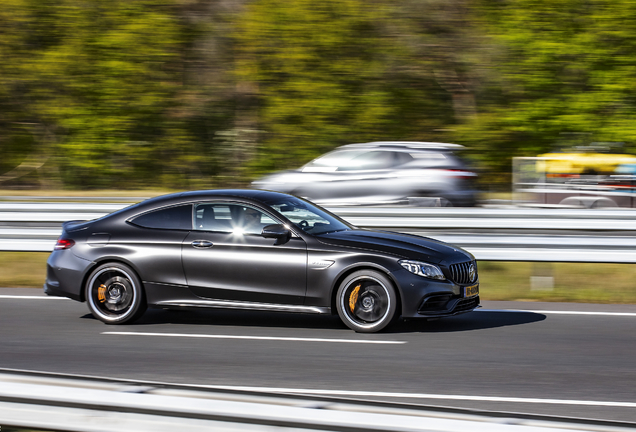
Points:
[(582, 163)]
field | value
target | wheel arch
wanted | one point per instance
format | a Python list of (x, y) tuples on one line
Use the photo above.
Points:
[(103, 260), (364, 266)]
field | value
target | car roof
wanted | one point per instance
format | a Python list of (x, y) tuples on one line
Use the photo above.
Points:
[(250, 195), (411, 145), (240, 193)]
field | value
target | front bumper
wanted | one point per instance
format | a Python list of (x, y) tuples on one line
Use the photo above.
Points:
[(440, 306), (427, 298)]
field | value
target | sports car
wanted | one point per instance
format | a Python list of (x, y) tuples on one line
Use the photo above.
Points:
[(259, 250)]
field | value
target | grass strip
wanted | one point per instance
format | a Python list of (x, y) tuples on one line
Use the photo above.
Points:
[(23, 269)]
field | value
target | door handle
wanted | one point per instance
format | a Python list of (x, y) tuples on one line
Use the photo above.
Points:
[(202, 244)]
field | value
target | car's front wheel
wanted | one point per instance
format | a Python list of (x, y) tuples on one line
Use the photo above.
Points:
[(114, 294), (366, 301)]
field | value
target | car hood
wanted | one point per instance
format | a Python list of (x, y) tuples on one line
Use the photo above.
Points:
[(405, 246)]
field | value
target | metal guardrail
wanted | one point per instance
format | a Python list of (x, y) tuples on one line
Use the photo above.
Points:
[(497, 234), (67, 403)]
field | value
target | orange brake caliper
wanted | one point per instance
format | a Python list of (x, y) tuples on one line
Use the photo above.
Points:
[(353, 298), (101, 293)]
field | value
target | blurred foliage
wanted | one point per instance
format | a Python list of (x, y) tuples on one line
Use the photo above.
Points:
[(206, 93), (331, 73), (560, 73)]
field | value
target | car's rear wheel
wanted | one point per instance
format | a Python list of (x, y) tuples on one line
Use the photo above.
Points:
[(366, 301), (114, 294)]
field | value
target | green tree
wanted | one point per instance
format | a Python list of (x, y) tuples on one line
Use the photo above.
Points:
[(556, 70), (330, 73), (110, 81), (21, 130)]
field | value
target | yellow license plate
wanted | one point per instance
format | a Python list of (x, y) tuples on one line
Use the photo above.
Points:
[(471, 291)]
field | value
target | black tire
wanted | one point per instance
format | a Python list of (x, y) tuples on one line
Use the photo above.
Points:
[(366, 301), (114, 294), (445, 202), (422, 200)]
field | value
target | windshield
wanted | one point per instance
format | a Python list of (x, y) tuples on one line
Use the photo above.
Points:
[(308, 217)]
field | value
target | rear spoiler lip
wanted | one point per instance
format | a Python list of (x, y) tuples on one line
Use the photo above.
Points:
[(75, 225)]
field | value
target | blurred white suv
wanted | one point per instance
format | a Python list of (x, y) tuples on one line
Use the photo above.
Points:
[(413, 173)]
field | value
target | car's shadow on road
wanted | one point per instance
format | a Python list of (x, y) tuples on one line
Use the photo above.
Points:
[(470, 321), (238, 318), (233, 318)]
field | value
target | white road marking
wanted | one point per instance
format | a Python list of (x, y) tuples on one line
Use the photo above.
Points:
[(292, 339), (428, 396), (32, 297), (631, 314)]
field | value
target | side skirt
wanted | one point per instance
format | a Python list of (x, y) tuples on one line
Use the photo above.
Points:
[(230, 304)]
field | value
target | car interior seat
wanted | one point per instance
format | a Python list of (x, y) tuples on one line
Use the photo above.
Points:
[(207, 220)]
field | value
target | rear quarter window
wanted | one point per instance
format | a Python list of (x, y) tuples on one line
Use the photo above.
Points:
[(178, 218)]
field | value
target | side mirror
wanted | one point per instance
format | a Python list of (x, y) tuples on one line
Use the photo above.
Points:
[(277, 231)]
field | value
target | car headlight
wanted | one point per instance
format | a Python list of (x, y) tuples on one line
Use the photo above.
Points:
[(423, 269)]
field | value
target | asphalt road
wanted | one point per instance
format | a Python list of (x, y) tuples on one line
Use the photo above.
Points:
[(513, 357)]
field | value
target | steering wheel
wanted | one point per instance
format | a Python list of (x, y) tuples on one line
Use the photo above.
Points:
[(303, 224)]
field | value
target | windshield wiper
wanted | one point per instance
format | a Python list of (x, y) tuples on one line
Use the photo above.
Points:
[(333, 231)]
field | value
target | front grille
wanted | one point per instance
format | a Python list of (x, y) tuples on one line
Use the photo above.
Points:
[(460, 273)]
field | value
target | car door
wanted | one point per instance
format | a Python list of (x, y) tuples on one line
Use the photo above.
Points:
[(367, 174), (226, 258)]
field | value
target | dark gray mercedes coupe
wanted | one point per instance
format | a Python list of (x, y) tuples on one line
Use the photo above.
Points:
[(261, 250)]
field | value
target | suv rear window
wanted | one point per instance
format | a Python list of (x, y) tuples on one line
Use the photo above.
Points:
[(179, 218)]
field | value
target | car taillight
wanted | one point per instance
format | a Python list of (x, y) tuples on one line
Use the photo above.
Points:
[(63, 243), (460, 173)]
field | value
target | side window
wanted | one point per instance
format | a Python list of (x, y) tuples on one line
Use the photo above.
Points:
[(179, 218), (250, 220), (370, 160), (402, 158), (267, 220), (231, 218), (430, 158), (213, 217)]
